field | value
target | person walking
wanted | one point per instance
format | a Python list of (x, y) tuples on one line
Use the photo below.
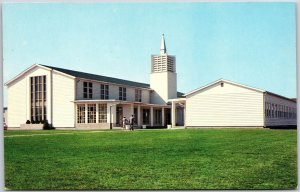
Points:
[(131, 122)]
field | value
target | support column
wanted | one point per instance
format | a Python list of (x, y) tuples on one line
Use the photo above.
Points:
[(76, 119), (184, 115), (97, 113), (131, 109), (86, 113), (162, 116), (111, 113), (139, 115), (173, 113), (151, 116)]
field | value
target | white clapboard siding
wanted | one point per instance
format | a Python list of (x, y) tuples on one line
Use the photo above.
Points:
[(17, 103), (230, 105), (19, 96), (280, 121), (63, 100)]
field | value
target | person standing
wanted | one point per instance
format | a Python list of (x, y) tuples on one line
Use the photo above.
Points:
[(124, 122), (131, 122)]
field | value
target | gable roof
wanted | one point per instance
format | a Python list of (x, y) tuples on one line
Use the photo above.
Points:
[(280, 96), (24, 72), (240, 85), (99, 77), (226, 81), (88, 76)]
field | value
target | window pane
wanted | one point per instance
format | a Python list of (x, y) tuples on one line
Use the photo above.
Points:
[(102, 113), (81, 113), (91, 113)]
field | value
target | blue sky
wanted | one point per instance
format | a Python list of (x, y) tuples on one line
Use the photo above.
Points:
[(249, 43)]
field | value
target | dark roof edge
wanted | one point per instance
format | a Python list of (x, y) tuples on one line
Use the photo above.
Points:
[(280, 96), (126, 82)]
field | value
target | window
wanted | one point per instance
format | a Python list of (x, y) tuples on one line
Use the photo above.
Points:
[(267, 109), (81, 113), (87, 90), (104, 91), (293, 113), (272, 111), (279, 113), (102, 113), (286, 112), (91, 113), (138, 95), (38, 98), (222, 84), (122, 93)]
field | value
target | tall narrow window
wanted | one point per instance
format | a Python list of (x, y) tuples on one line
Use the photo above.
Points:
[(267, 109), (138, 95), (285, 113), (80, 113), (91, 113), (38, 98), (122, 93), (102, 113), (104, 91), (87, 90)]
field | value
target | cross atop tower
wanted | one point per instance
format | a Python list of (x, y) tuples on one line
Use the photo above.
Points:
[(163, 48)]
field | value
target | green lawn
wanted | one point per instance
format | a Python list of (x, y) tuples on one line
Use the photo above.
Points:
[(151, 159)]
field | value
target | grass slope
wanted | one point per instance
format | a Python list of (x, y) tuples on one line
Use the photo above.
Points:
[(152, 159)]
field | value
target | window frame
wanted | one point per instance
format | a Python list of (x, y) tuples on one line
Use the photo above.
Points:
[(87, 90), (91, 114), (38, 98), (122, 93), (80, 113), (104, 91), (138, 95), (102, 113)]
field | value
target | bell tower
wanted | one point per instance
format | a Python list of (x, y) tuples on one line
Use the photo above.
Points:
[(163, 77)]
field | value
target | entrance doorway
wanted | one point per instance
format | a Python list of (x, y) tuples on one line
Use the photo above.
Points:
[(146, 116), (167, 116), (119, 116)]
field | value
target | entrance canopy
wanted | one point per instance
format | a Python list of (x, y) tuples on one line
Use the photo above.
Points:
[(178, 111)]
